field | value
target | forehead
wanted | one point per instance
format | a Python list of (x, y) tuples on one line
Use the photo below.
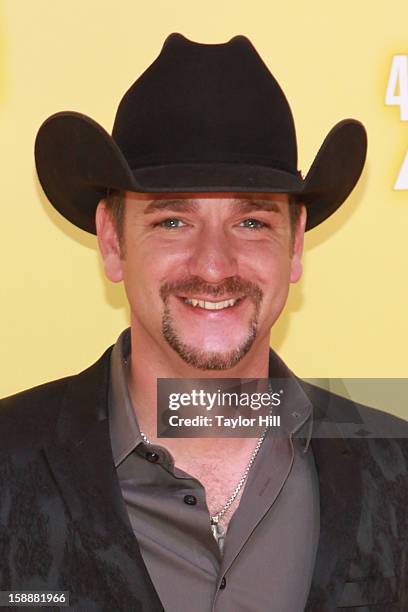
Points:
[(152, 203)]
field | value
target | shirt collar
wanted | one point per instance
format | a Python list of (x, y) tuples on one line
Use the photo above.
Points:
[(296, 408), (123, 425), (296, 414)]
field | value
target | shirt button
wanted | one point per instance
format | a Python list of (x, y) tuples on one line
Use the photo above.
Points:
[(190, 500), (223, 583), (152, 457)]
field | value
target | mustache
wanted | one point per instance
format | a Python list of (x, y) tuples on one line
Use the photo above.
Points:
[(233, 286)]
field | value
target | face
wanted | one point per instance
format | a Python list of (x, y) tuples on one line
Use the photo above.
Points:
[(206, 275)]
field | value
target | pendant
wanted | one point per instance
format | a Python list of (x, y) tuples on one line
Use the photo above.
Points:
[(219, 534)]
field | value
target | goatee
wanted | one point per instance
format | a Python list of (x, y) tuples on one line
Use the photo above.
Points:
[(210, 360)]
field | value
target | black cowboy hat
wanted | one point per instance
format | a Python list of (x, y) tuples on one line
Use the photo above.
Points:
[(201, 118)]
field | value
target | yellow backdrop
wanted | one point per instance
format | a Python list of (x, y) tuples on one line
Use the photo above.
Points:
[(348, 316)]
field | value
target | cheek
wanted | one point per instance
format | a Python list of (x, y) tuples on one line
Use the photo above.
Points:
[(145, 270), (272, 273), (268, 266), (138, 281)]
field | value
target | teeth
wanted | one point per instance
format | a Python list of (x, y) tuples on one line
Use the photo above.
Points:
[(211, 305)]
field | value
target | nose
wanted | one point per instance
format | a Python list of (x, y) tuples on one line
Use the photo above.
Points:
[(213, 257)]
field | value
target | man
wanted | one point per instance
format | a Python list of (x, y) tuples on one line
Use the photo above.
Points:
[(200, 209)]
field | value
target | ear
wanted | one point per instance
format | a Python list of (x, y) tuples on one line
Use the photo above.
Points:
[(297, 252), (108, 243)]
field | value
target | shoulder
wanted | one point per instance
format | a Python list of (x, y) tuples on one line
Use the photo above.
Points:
[(353, 418), (376, 440), (31, 413), (380, 439), (29, 417)]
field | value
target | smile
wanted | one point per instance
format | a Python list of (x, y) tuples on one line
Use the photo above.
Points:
[(211, 305)]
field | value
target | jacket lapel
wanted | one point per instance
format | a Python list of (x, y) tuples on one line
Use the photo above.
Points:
[(339, 472), (338, 465), (80, 459)]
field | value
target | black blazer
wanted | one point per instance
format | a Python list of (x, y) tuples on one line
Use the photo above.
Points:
[(63, 523)]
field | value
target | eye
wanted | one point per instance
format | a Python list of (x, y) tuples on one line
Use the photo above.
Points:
[(170, 223), (253, 224)]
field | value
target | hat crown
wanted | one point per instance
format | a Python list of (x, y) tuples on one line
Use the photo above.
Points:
[(206, 103)]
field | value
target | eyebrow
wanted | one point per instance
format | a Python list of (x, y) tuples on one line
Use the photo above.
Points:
[(174, 205), (185, 205), (244, 206)]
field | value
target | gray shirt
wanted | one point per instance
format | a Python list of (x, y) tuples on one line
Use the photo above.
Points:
[(271, 543)]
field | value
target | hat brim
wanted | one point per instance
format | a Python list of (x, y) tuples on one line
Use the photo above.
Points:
[(78, 161)]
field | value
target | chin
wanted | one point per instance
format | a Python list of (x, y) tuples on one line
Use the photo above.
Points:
[(206, 359)]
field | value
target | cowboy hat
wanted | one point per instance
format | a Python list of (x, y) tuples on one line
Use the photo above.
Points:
[(201, 118)]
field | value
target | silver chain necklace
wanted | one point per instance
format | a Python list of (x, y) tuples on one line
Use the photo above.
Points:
[(217, 530)]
